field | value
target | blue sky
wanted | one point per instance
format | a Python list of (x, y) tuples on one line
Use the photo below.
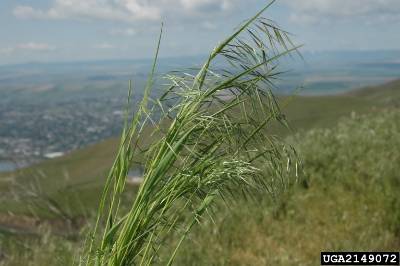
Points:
[(72, 30)]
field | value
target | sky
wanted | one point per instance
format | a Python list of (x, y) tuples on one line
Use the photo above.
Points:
[(81, 30)]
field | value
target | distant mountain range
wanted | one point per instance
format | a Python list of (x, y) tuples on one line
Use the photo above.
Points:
[(319, 72)]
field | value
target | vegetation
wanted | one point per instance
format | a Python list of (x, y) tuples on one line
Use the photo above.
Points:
[(214, 147), (349, 201), (328, 212), (46, 248)]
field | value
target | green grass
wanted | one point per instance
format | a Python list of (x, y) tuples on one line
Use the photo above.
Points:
[(47, 249), (213, 148), (306, 112), (77, 175), (349, 202)]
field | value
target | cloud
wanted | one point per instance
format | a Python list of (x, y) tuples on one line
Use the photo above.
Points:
[(125, 10), (103, 45), (206, 5), (123, 32), (33, 46), (208, 25), (313, 11), (29, 46), (6, 50), (28, 12)]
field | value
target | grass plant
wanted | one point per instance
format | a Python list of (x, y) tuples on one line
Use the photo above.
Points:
[(214, 146)]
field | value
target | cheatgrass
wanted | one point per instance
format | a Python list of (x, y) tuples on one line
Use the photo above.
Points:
[(212, 145)]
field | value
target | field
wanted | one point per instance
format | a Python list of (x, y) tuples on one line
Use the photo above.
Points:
[(345, 200)]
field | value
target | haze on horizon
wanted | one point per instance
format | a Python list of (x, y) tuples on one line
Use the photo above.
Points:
[(73, 30)]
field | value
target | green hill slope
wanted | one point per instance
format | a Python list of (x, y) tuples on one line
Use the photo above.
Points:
[(349, 202), (305, 112), (76, 176)]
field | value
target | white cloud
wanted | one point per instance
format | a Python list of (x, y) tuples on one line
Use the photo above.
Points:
[(312, 11), (33, 46), (103, 45), (28, 12), (25, 12), (125, 10), (6, 50), (27, 47), (207, 5), (123, 32), (208, 25)]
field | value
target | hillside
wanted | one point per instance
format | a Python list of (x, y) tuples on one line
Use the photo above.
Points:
[(65, 179), (347, 200), (78, 176), (305, 112)]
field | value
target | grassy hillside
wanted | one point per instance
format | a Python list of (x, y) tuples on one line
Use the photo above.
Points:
[(71, 176), (76, 179), (305, 112), (347, 201)]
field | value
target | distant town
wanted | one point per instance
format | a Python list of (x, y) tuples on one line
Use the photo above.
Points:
[(30, 133)]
